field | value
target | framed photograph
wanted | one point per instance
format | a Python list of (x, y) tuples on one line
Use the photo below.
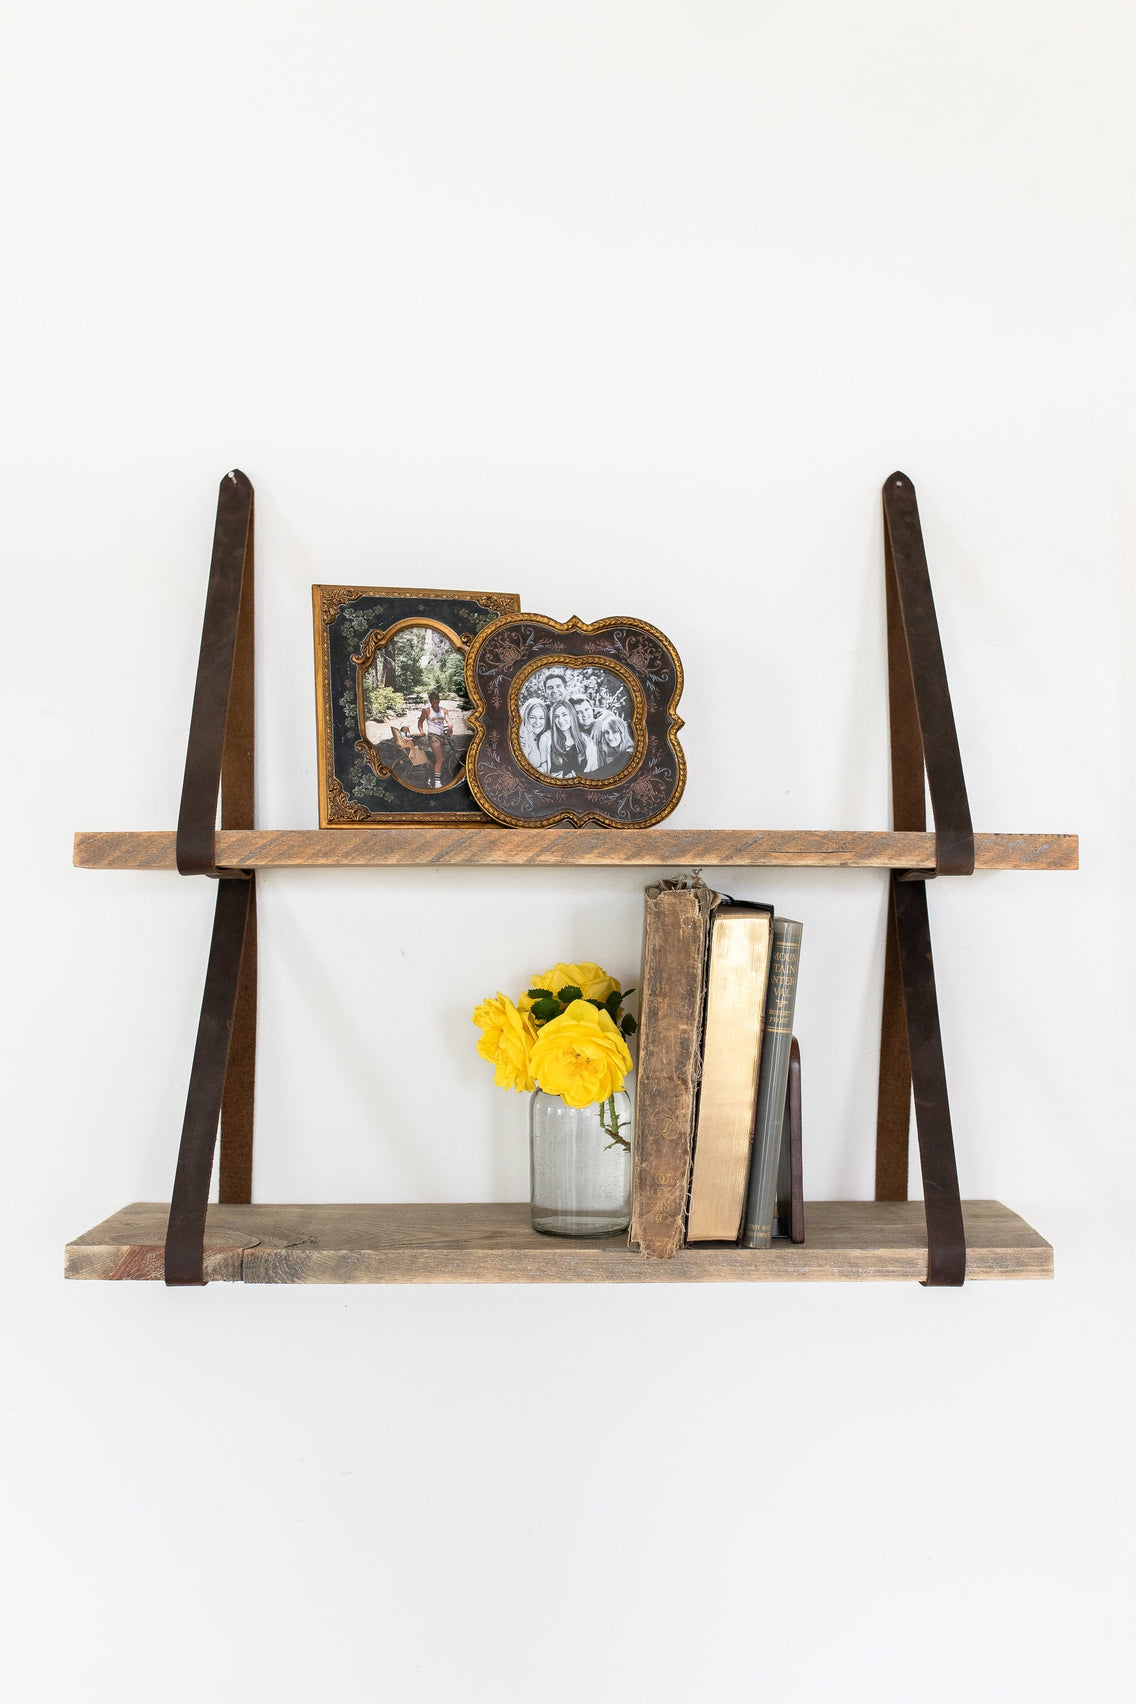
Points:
[(392, 704), (575, 722)]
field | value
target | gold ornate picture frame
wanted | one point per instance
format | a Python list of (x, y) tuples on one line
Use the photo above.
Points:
[(575, 722), (392, 702)]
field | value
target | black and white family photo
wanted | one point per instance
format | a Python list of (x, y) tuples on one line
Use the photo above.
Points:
[(576, 723)]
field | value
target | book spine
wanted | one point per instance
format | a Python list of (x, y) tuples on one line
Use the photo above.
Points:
[(780, 1003), (676, 925)]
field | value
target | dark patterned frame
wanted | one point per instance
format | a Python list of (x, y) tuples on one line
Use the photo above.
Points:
[(355, 789), (507, 787)]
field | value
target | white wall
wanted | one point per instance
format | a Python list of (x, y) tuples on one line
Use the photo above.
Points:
[(629, 307)]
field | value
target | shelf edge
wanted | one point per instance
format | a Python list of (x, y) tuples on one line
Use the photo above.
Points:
[(481, 1243), (457, 848)]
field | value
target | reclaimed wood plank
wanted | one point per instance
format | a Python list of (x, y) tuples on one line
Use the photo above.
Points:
[(658, 848), (493, 1243)]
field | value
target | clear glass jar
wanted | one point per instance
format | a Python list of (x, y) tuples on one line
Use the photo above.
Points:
[(581, 1165)]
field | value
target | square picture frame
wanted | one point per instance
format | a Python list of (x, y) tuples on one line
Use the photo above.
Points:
[(392, 702)]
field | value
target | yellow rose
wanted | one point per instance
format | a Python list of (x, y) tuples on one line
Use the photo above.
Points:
[(507, 1038), (593, 983), (580, 1055)]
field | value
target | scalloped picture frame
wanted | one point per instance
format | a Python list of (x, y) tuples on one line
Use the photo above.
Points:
[(633, 673)]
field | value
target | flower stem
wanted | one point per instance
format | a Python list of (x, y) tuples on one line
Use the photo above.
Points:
[(613, 1125)]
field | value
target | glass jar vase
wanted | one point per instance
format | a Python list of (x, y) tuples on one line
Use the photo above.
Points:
[(580, 1165)]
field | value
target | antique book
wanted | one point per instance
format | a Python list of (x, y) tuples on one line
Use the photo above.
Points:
[(731, 1057), (676, 924), (780, 1002)]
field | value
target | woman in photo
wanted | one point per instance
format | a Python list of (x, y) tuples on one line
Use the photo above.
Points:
[(567, 750), (534, 728), (613, 745), (438, 728)]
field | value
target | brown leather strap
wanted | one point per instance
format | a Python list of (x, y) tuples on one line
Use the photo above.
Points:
[(185, 1233), (893, 1107), (237, 1105), (924, 755), (907, 573), (220, 761), (210, 737), (946, 1241), (237, 811), (909, 812), (238, 766), (908, 777)]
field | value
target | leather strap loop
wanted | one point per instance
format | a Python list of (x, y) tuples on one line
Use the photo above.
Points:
[(924, 757), (211, 740), (234, 1181), (893, 1114), (185, 1233), (219, 765), (946, 1240), (925, 740)]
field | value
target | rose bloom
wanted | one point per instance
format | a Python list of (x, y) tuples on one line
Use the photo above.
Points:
[(593, 983), (580, 1055), (507, 1038)]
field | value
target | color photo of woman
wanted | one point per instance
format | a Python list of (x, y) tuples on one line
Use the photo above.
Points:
[(438, 727), (414, 703)]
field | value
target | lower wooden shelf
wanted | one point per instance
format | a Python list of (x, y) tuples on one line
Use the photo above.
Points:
[(493, 1243)]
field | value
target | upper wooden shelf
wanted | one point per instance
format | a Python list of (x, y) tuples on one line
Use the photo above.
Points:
[(714, 848)]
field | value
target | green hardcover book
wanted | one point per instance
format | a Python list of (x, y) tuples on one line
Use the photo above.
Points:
[(780, 1002)]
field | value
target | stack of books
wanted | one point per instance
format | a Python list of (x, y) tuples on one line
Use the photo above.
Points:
[(717, 996)]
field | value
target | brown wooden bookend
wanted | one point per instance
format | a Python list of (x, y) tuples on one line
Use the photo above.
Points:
[(219, 765), (790, 1216), (923, 744)]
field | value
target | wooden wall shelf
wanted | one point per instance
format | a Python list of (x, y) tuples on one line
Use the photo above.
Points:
[(493, 1243), (941, 1240), (453, 848)]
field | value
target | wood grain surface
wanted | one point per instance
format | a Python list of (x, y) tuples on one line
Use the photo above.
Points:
[(660, 848), (493, 1243)]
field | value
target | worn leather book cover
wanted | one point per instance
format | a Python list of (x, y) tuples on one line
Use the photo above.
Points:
[(731, 1057), (675, 930)]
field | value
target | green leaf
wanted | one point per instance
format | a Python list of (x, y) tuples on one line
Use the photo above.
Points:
[(535, 993), (598, 1004), (629, 1026), (627, 992), (568, 994), (545, 1009), (613, 1002)]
